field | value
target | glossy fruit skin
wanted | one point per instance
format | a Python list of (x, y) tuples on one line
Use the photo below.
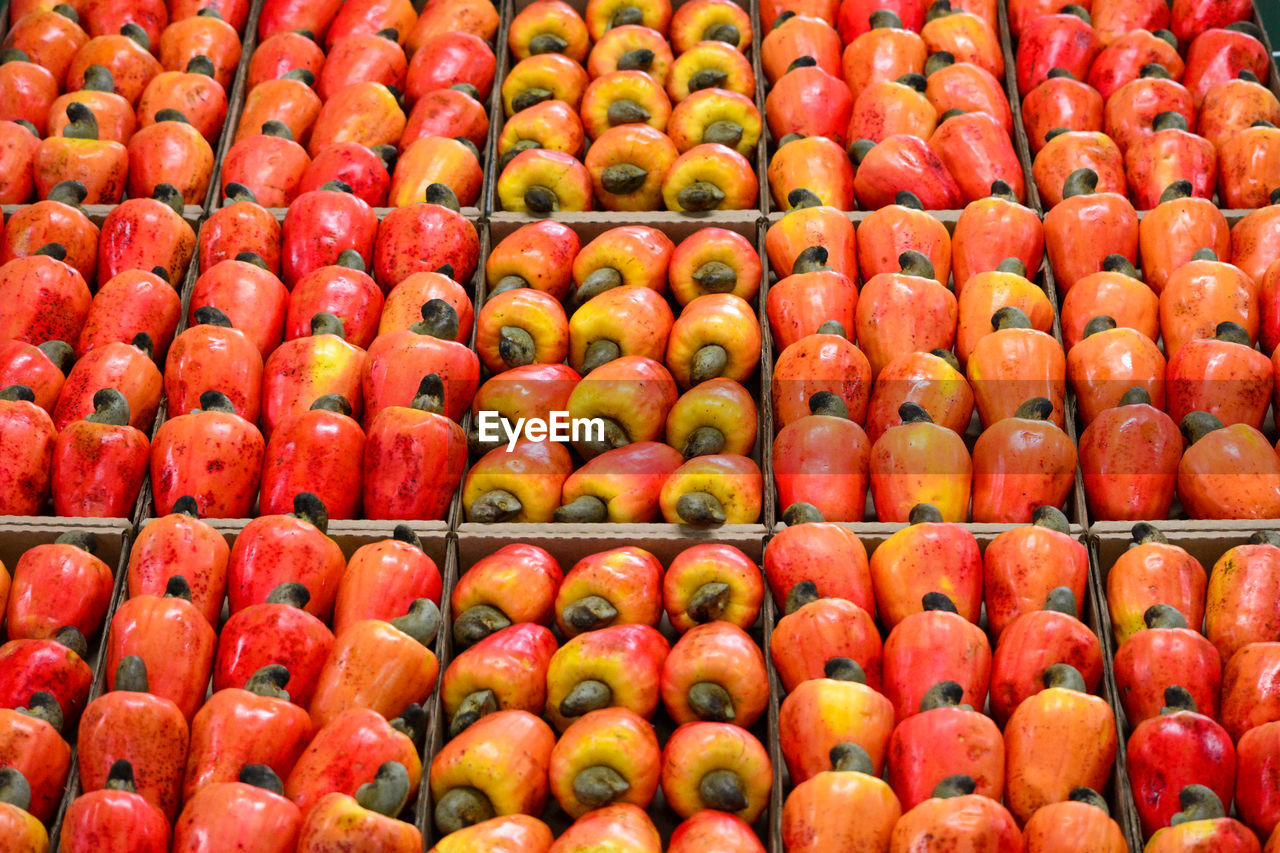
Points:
[(190, 448), (265, 634), (28, 438), (214, 358), (1170, 234), (353, 164), (1235, 452), (1105, 222), (52, 221), (926, 747), (267, 821), (515, 833), (382, 580), (98, 469), (471, 758), (251, 297), (1022, 566), (905, 163), (1248, 696), (1255, 790), (1042, 476), (1235, 615), (143, 233), (345, 754), (276, 549), (813, 821), (28, 666), (148, 731), (1153, 659), (271, 167), (825, 553), (54, 585), (927, 380), (132, 302), (972, 822), (1168, 751), (512, 662), (601, 655), (1032, 643), (888, 232), (113, 820), (823, 460), (17, 152), (1122, 60), (930, 647), (899, 313), (519, 580), (175, 642), (237, 727), (1035, 777), (613, 737), (719, 653), (125, 367), (319, 226), (181, 544), (1129, 459), (28, 283), (242, 226), (404, 672), (805, 640), (630, 578), (37, 750), (1082, 822)]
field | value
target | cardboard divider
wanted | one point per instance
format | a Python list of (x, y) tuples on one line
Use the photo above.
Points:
[(1075, 506), (492, 205), (677, 227), (570, 547), (235, 104), (146, 499), (111, 540), (1021, 143), (349, 536), (1204, 541), (1092, 613), (497, 118)]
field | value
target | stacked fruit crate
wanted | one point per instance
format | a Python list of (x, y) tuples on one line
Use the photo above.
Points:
[(340, 186)]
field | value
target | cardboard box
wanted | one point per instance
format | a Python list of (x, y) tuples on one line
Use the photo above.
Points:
[(97, 213), (492, 206), (677, 227), (1206, 542), (146, 504), (872, 536), (350, 536), (111, 539), (568, 548)]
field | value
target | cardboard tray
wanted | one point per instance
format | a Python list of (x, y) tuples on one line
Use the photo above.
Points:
[(1019, 137), (236, 103), (146, 500), (1205, 541), (1093, 613), (1015, 97), (492, 206), (112, 538), (97, 213), (349, 536), (1075, 506), (568, 548), (677, 227)]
